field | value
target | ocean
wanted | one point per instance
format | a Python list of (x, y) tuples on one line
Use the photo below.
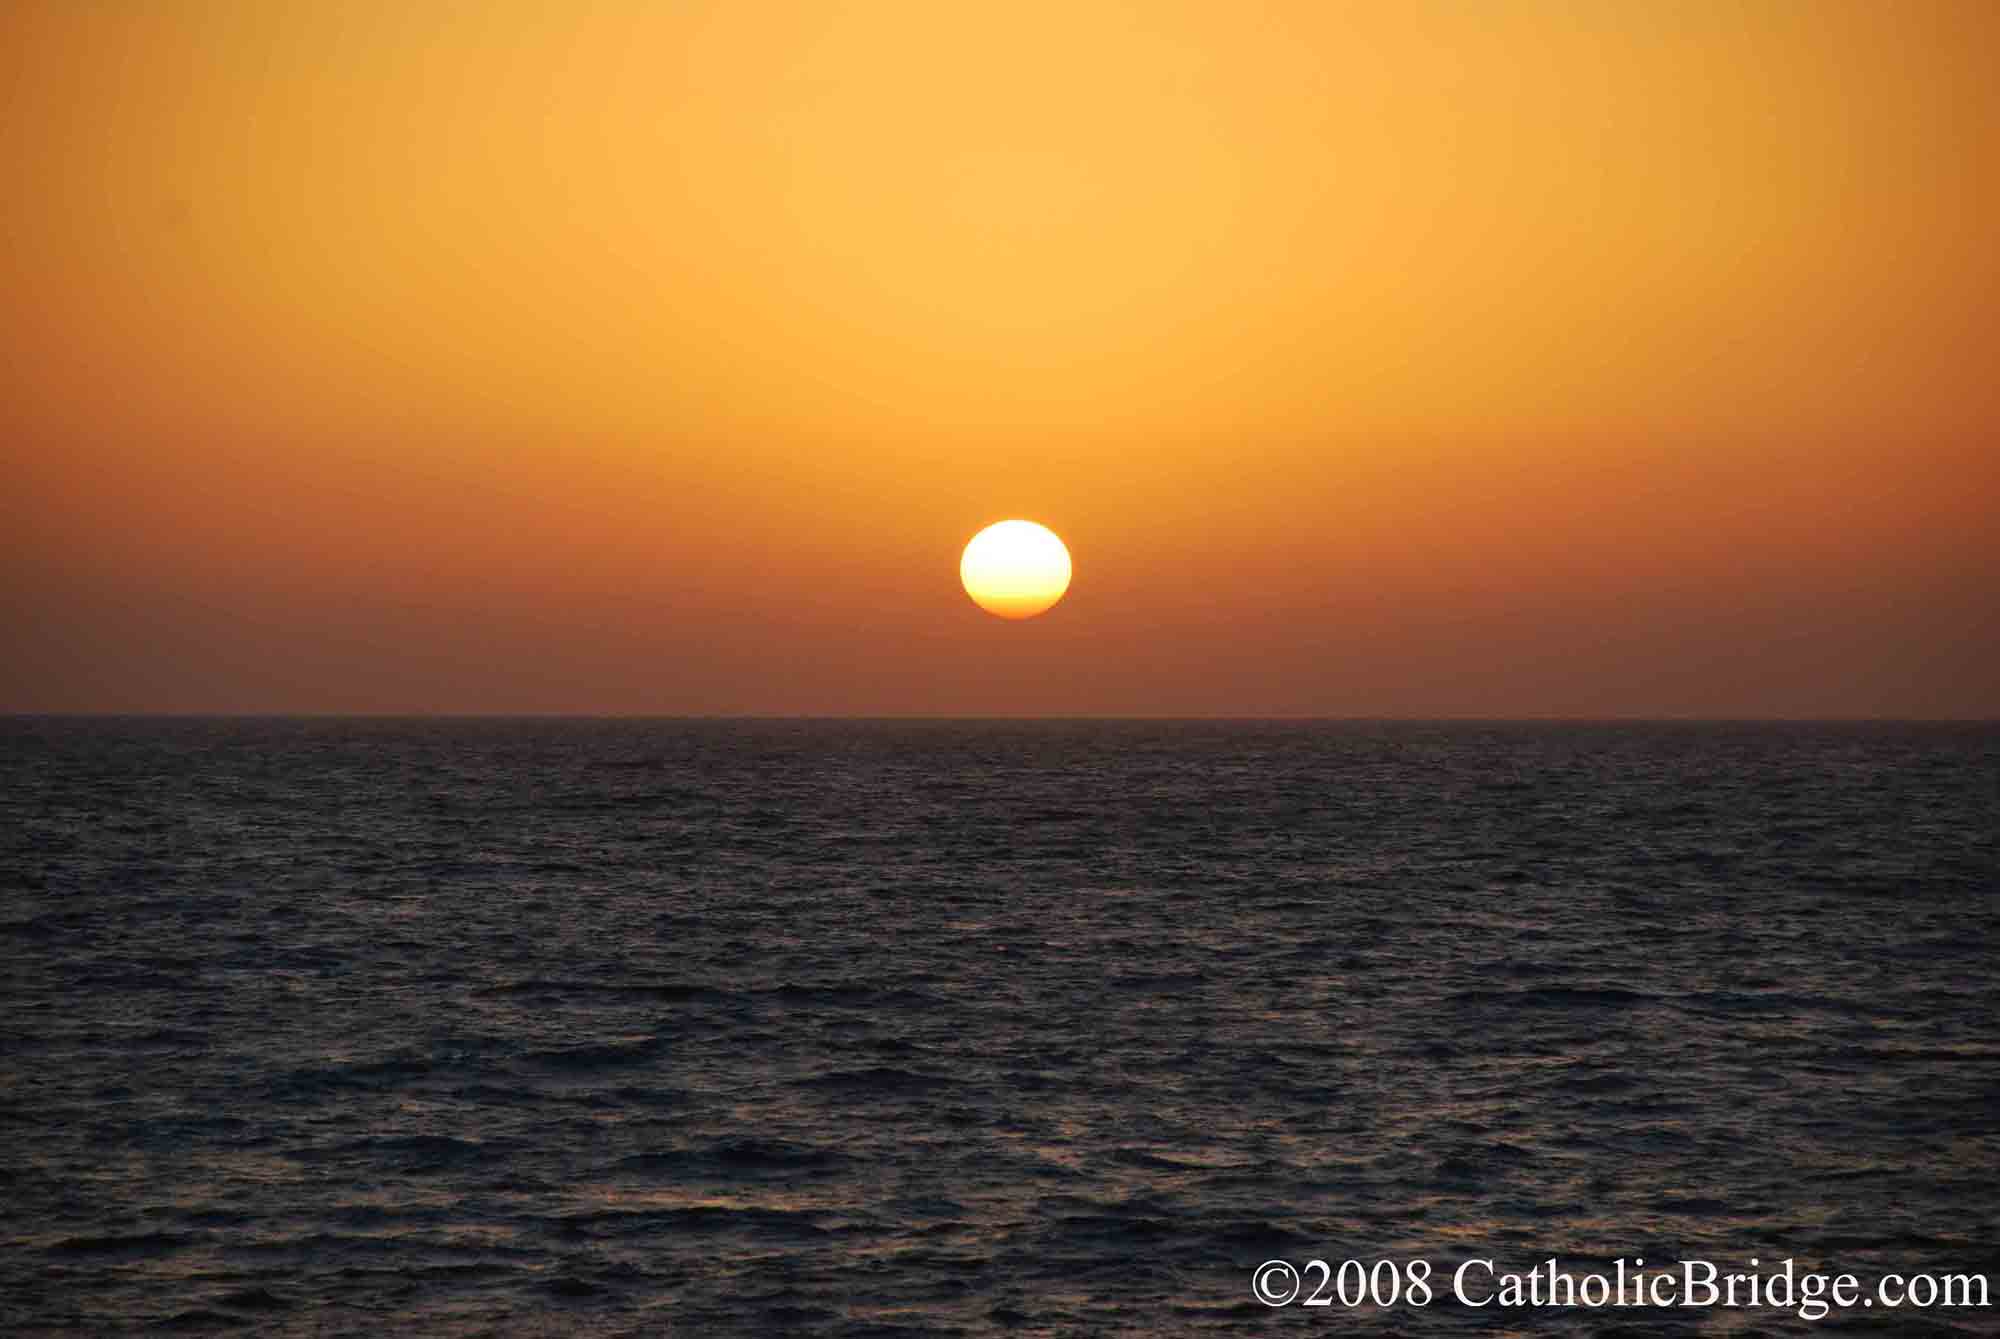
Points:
[(980, 1028)]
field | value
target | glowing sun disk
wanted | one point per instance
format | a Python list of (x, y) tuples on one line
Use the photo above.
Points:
[(1015, 569)]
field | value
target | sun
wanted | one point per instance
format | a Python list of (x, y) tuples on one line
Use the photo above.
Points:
[(1015, 569)]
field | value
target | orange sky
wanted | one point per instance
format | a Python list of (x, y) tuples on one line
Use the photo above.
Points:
[(1406, 358)]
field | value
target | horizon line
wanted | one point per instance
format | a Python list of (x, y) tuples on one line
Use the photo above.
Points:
[(948, 717)]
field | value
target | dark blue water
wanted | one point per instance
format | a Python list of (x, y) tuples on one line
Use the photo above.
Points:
[(818, 1028)]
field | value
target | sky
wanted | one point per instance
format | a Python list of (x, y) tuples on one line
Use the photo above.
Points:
[(1413, 358)]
